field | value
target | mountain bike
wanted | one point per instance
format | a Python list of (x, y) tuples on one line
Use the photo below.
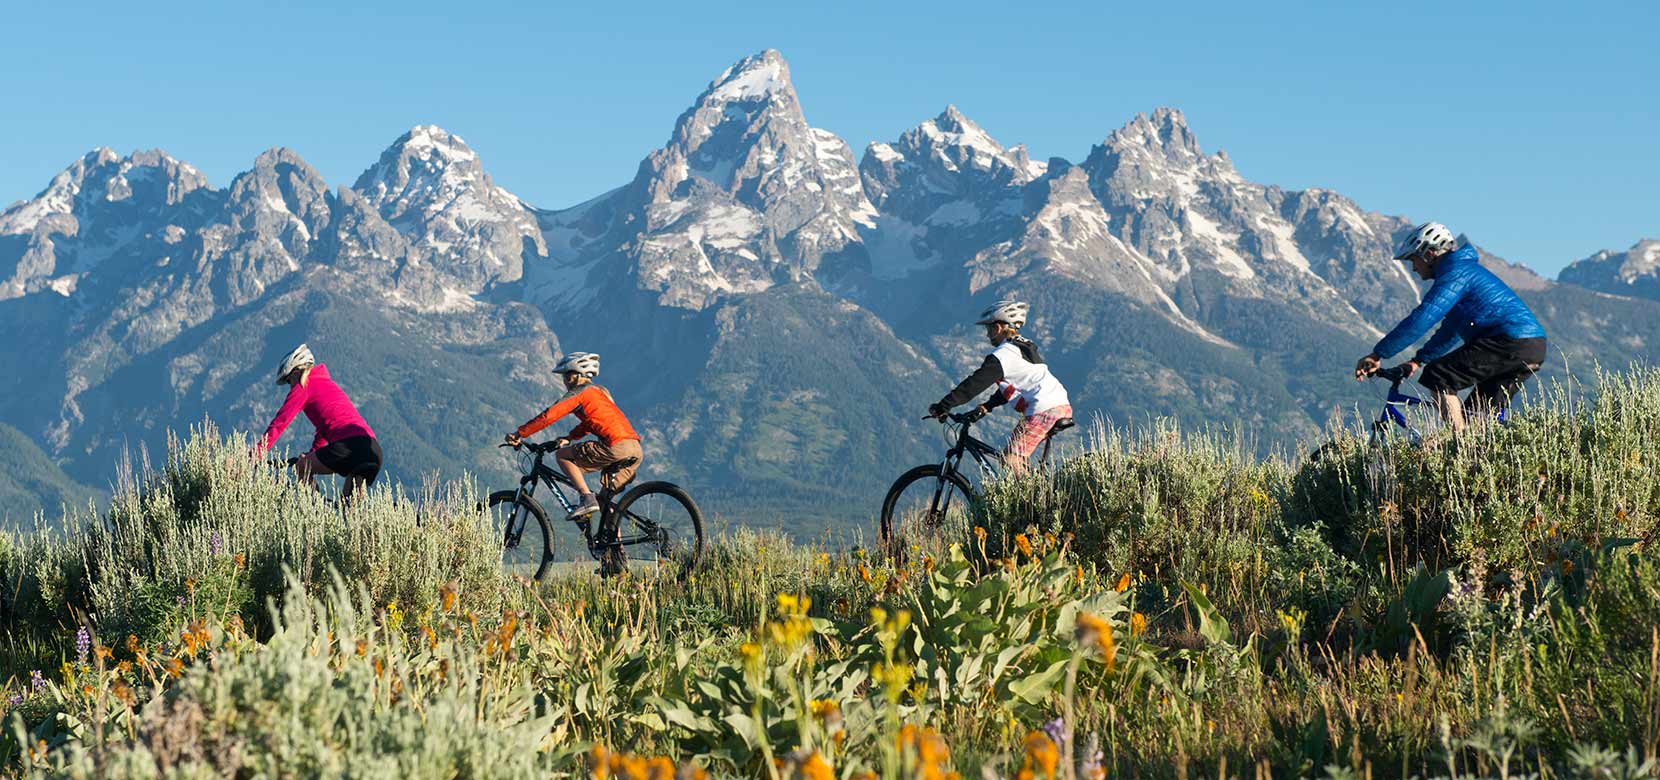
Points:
[(1393, 416), (923, 499), (353, 483), (654, 522)]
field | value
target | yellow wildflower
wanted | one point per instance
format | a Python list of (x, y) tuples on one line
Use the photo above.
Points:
[(815, 767), (1138, 624), (1042, 756), (447, 596), (1123, 583), (1023, 544), (1092, 631)]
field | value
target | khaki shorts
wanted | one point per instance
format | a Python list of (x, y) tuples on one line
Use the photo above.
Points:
[(595, 455)]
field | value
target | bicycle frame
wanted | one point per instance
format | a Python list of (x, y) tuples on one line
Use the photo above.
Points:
[(1393, 412), (986, 456), (541, 472)]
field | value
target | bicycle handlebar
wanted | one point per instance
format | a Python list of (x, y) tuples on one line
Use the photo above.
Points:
[(1393, 373), (966, 418), (544, 447)]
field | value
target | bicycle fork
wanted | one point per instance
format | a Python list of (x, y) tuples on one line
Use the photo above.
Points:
[(936, 509), (516, 521)]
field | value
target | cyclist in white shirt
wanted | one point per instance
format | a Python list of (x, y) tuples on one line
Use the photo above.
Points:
[(1018, 374)]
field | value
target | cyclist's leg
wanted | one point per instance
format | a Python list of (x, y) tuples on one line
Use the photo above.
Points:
[(364, 468), (1509, 363), (1454, 372), (590, 455), (1027, 435), (309, 467)]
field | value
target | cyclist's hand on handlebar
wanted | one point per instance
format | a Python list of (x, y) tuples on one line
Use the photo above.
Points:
[(1410, 367), (937, 411), (1367, 366), (512, 440), (561, 443), (976, 414)]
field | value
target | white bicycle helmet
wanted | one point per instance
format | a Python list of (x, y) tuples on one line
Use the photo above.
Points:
[(584, 363), (1428, 237), (1011, 312), (299, 358)]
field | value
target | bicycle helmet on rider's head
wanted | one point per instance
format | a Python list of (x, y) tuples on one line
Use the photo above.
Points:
[(1428, 237), (1011, 312), (301, 357), (584, 363)]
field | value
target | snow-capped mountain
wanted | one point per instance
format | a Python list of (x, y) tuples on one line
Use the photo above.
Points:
[(99, 209), (1217, 237), (431, 187), (746, 195), (773, 315), (1635, 272)]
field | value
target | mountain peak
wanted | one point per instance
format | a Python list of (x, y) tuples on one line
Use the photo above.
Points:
[(426, 141), (1165, 132), (756, 77), (102, 174), (278, 155), (1634, 272)]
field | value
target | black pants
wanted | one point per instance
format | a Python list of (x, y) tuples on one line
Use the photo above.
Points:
[(358, 459), (1495, 366)]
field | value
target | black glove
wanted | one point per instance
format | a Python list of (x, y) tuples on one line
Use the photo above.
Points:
[(937, 410)]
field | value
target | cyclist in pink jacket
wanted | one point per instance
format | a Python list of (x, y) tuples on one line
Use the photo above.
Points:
[(344, 443)]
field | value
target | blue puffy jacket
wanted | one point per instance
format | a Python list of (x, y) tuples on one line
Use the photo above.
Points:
[(1470, 302)]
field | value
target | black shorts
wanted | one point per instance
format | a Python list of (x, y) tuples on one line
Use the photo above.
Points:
[(1495, 366), (358, 457)]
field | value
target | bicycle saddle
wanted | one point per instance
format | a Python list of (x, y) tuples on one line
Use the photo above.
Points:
[(620, 465), (1063, 424)]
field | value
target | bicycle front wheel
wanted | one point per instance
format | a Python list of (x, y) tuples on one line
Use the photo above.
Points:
[(526, 536), (661, 525), (921, 503)]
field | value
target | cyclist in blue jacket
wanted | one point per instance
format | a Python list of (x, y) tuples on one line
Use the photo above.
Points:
[(1499, 343)]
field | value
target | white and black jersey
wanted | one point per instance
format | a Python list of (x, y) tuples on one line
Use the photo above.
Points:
[(1019, 375)]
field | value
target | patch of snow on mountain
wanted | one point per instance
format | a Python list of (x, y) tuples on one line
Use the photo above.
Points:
[(957, 212), (885, 153), (897, 250), (1228, 260), (428, 141), (1285, 244), (756, 77)]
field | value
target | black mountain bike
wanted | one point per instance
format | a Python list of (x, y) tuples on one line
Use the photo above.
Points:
[(654, 522), (924, 499)]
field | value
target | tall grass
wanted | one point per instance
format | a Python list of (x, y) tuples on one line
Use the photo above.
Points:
[(1481, 606)]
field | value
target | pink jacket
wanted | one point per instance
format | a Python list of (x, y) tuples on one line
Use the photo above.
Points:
[(325, 404)]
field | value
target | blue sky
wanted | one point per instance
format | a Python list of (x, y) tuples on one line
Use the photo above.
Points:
[(1531, 126)]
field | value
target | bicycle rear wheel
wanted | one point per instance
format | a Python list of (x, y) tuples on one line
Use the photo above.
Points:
[(658, 523), (923, 503)]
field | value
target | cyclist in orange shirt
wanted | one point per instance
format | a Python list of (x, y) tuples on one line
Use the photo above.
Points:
[(597, 414)]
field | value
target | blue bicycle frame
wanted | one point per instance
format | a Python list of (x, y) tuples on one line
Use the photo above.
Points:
[(1397, 402), (1394, 405)]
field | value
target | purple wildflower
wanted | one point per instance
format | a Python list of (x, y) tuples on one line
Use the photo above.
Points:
[(181, 599), (36, 681), (83, 643), (15, 699), (1056, 729), (216, 544)]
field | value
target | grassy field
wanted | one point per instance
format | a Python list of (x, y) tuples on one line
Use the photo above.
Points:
[(1160, 606)]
